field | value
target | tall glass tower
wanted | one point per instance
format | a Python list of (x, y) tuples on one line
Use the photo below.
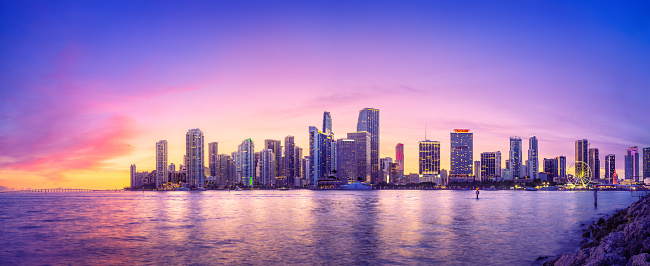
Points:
[(582, 155), (594, 163), (610, 167), (646, 162), (246, 162), (514, 168), (632, 164), (289, 160), (161, 163), (213, 152), (369, 122), (399, 159), (362, 154), (533, 160), (194, 158), (462, 153)]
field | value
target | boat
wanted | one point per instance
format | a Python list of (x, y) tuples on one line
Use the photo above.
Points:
[(550, 188), (202, 189), (356, 186), (238, 189), (531, 189), (183, 189)]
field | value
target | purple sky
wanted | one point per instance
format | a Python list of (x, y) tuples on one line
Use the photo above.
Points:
[(88, 87)]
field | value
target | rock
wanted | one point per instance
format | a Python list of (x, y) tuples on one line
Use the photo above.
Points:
[(639, 260)]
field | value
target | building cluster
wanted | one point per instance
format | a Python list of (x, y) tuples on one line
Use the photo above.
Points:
[(355, 158)]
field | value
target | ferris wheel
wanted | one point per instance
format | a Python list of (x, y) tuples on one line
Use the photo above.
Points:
[(581, 174)]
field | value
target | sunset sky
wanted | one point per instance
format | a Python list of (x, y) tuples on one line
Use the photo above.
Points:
[(88, 87)]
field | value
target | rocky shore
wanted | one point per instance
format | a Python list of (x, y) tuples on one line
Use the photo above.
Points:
[(623, 239)]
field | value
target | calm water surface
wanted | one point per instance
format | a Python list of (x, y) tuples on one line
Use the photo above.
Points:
[(296, 226)]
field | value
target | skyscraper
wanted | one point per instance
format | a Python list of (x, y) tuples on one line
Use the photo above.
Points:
[(289, 160), (429, 157), (385, 165), (362, 154), (319, 153), (582, 156), (533, 160), (266, 166), (369, 122), (477, 171), (327, 123), (399, 159), (161, 163), (491, 166), (226, 171), (610, 167), (213, 152), (646, 162), (246, 162), (276, 147), (594, 164), (347, 167), (194, 158), (632, 164), (514, 168), (298, 172), (462, 153), (550, 168), (561, 166), (133, 176)]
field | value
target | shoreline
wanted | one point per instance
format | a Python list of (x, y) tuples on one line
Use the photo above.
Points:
[(622, 239)]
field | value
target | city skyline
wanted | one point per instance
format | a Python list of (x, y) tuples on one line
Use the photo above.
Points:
[(89, 87)]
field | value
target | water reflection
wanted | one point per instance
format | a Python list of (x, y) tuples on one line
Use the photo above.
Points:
[(299, 226)]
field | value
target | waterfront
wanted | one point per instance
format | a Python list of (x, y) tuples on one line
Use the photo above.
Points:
[(298, 226)]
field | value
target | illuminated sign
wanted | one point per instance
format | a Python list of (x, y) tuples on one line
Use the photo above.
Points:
[(461, 130)]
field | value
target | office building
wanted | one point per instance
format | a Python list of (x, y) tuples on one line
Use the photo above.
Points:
[(399, 159), (514, 162), (194, 158), (161, 163), (320, 155), (646, 162), (462, 150), (266, 168), (477, 171), (369, 122), (610, 167), (582, 156), (362, 154), (245, 162), (133, 176), (632, 164), (289, 161), (429, 157), (298, 172), (550, 168), (594, 164), (491, 166), (385, 167), (276, 147), (561, 167), (533, 160), (213, 152), (347, 167)]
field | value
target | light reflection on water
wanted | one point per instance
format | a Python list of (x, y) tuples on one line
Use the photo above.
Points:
[(298, 226)]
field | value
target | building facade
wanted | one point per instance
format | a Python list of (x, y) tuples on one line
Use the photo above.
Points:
[(514, 161), (399, 159), (533, 157), (245, 162), (491, 166), (161, 163), (632, 164), (266, 168), (369, 122), (362, 154), (594, 164), (610, 167), (213, 152), (194, 158), (462, 150), (582, 156), (646, 162), (429, 157)]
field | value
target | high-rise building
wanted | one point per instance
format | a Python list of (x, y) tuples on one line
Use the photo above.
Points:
[(213, 152), (363, 154), (385, 165), (632, 164), (276, 147), (194, 158), (594, 164), (429, 157), (462, 150), (298, 172), (245, 162), (289, 160), (533, 160), (491, 166), (610, 167), (514, 168), (266, 166), (550, 167), (133, 177), (399, 159), (327, 123), (369, 122), (477, 171), (320, 155), (226, 172), (646, 162), (582, 156), (161, 163), (561, 166), (347, 164)]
